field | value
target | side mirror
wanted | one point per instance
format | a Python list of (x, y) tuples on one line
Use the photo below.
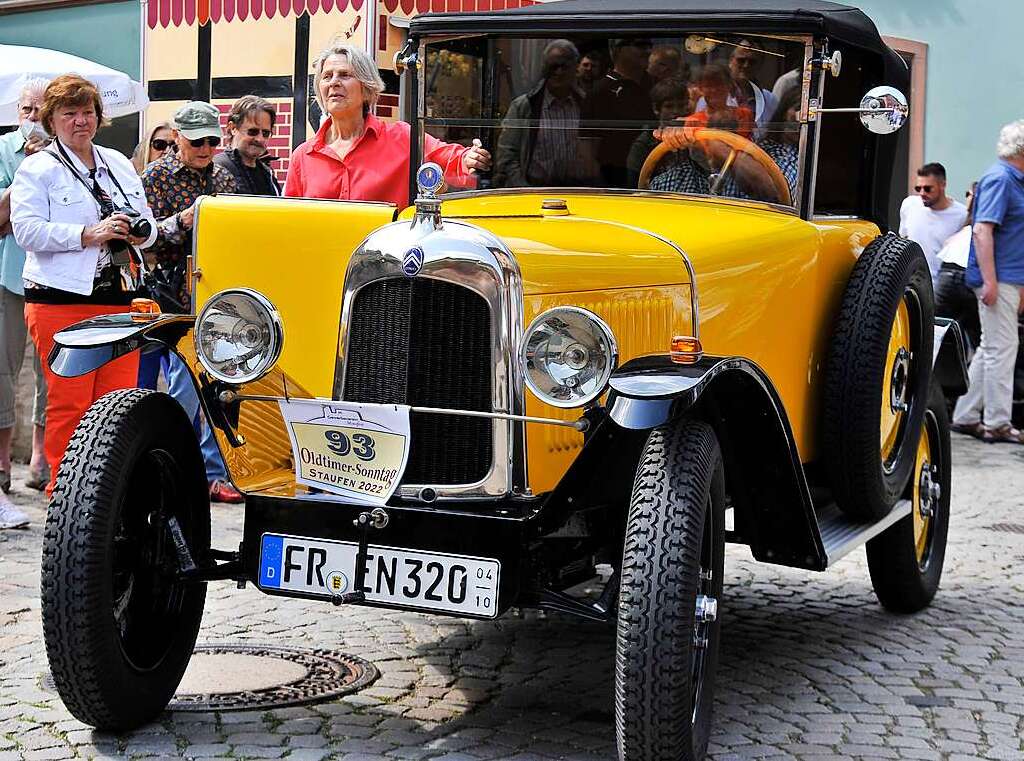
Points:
[(883, 110)]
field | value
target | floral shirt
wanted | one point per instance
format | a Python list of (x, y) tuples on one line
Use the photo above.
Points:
[(172, 187)]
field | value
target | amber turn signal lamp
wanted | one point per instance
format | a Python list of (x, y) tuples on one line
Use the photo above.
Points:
[(144, 309), (685, 350)]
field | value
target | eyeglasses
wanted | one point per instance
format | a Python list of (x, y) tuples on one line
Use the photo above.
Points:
[(254, 131), (213, 142), (923, 188), (158, 144)]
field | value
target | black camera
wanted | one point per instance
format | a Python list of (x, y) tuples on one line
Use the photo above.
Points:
[(138, 227)]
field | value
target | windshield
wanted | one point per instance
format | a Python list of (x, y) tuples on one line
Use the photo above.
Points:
[(701, 114)]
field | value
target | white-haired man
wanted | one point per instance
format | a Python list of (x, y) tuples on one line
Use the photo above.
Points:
[(14, 147), (995, 269)]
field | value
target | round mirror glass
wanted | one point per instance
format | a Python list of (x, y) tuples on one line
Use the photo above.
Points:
[(884, 110)]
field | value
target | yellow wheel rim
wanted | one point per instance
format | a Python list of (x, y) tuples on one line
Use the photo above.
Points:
[(895, 381), (924, 504)]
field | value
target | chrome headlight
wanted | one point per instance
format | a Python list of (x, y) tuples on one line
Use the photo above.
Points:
[(238, 335), (568, 355)]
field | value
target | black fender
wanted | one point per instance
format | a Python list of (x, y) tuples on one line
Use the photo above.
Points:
[(88, 345), (765, 477), (949, 357)]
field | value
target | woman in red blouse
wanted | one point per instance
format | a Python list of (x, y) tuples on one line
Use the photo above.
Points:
[(356, 156)]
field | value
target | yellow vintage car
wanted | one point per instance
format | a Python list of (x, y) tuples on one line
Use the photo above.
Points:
[(642, 335)]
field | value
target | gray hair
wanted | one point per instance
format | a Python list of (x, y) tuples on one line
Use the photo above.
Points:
[(35, 86), (1011, 140), (362, 66), (562, 45)]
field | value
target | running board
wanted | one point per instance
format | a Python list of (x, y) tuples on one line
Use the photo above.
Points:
[(841, 536)]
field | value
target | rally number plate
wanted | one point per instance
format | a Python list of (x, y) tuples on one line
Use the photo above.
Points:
[(429, 580)]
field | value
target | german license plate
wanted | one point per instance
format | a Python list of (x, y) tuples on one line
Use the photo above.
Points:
[(429, 580)]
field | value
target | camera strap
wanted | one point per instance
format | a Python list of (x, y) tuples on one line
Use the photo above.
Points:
[(103, 200), (101, 197)]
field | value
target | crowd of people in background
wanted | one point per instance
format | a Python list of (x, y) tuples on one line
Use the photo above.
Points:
[(595, 118), (128, 227), (976, 256), (129, 224)]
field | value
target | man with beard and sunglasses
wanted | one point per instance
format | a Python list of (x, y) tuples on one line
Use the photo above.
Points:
[(174, 184), (929, 217), (250, 125)]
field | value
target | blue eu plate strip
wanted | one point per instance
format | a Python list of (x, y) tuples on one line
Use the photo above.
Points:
[(270, 561)]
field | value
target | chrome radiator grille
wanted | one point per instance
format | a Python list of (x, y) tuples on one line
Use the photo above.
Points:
[(426, 343)]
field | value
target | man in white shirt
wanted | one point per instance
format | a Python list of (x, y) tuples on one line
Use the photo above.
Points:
[(930, 217)]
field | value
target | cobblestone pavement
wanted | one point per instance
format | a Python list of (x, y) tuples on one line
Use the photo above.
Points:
[(812, 668)]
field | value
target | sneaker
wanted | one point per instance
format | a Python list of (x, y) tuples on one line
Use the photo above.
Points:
[(1006, 434), (977, 430), (222, 491), (12, 517)]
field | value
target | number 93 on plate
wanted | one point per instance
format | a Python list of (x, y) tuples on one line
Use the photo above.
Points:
[(357, 451)]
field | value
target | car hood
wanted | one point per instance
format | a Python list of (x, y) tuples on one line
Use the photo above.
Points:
[(610, 240)]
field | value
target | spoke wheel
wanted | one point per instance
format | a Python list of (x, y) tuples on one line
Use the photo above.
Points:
[(147, 599), (896, 383), (927, 490), (906, 560), (876, 378)]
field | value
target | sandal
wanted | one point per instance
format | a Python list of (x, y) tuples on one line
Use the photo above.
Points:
[(38, 479), (977, 430), (1004, 434)]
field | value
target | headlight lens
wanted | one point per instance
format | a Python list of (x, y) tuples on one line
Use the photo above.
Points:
[(568, 355), (238, 336)]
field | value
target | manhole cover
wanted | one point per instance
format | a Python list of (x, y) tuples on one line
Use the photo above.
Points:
[(230, 677), (1010, 528)]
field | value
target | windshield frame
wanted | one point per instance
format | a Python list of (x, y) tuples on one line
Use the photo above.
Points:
[(806, 144)]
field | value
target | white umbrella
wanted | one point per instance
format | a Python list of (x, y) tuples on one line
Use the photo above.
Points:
[(18, 64)]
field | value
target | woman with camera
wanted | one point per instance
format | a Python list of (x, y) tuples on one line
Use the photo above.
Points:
[(79, 212)]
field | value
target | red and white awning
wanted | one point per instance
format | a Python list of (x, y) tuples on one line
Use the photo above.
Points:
[(164, 13)]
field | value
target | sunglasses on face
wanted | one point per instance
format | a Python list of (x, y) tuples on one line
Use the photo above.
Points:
[(159, 145), (923, 188), (213, 142), (254, 131)]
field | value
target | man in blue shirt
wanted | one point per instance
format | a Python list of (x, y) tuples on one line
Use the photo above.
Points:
[(14, 146), (995, 270)]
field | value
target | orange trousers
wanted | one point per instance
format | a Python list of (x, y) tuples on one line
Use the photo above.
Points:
[(68, 398)]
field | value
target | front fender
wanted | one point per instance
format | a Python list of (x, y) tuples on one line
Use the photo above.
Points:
[(765, 477), (88, 345), (949, 357)]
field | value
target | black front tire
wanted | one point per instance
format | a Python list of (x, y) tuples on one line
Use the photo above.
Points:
[(118, 625), (673, 560), (905, 561)]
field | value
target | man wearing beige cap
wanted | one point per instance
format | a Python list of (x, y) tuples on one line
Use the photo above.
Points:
[(173, 184)]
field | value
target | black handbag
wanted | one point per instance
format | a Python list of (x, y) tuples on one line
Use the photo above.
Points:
[(165, 286)]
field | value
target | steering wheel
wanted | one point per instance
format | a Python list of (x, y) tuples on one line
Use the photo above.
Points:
[(736, 143)]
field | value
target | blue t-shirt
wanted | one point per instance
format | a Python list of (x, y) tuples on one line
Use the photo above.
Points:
[(999, 199)]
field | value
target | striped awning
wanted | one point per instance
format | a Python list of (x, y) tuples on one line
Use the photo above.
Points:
[(164, 13)]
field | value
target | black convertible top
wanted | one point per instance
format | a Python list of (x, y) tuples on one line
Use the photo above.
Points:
[(841, 22)]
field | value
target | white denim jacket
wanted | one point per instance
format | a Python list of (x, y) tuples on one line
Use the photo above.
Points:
[(50, 209)]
